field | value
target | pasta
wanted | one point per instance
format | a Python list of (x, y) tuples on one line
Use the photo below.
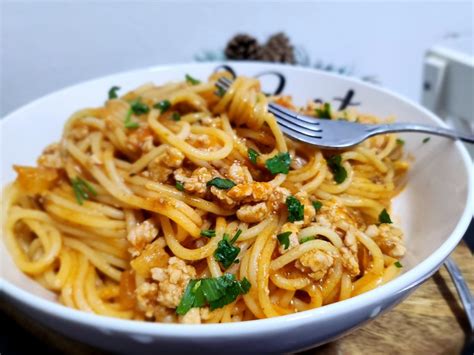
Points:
[(180, 203)]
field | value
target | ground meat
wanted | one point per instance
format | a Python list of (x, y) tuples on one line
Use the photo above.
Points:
[(162, 166), (277, 198), (196, 183), (251, 192), (389, 238), (239, 174), (140, 139), (79, 133), (293, 237), (195, 316), (222, 197), (318, 262), (172, 281), (141, 235), (349, 261), (146, 294), (199, 140), (51, 157), (332, 213), (253, 213)]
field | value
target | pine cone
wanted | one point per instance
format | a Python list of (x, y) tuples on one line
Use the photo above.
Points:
[(242, 46), (277, 49)]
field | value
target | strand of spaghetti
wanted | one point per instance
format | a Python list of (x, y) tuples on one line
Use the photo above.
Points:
[(169, 137), (94, 257), (330, 234), (78, 285), (373, 158), (292, 284)]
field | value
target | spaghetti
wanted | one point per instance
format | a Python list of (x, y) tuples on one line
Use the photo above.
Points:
[(178, 203)]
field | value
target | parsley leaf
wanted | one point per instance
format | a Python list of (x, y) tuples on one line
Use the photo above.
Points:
[(208, 233), (324, 112), (179, 186), (398, 264), (176, 116), (280, 163), (339, 172), (226, 252), (82, 189), (253, 155), (163, 106), (223, 184), (400, 141), (113, 92), (426, 140), (306, 239), (384, 217), (284, 239), (128, 123), (214, 291), (192, 80), (295, 209), (138, 107), (317, 205)]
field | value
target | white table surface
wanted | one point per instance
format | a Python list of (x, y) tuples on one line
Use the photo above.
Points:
[(48, 45)]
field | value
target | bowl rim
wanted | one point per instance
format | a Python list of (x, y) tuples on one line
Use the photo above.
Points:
[(401, 284)]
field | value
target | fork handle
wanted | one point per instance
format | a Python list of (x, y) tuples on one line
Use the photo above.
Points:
[(413, 127)]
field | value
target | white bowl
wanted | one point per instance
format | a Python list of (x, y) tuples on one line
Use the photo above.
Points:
[(435, 210)]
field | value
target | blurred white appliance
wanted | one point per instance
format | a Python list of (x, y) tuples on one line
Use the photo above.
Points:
[(448, 83)]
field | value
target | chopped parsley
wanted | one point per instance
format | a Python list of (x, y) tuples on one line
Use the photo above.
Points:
[(138, 107), (220, 92), (82, 189), (426, 140), (280, 163), (323, 112), (214, 291), (384, 217), (163, 105), (179, 186), (398, 264), (253, 155), (176, 116), (223, 184), (284, 239), (295, 209), (128, 123), (208, 233), (400, 141), (306, 239), (317, 205), (113, 92), (226, 251), (192, 80), (339, 172)]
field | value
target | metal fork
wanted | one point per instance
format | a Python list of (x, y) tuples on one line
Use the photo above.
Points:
[(338, 134)]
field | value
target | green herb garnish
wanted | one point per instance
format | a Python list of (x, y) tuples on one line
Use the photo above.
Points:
[(208, 233), (179, 186), (384, 217), (253, 155), (113, 92), (280, 163), (398, 264), (163, 105), (176, 116), (128, 120), (324, 112), (226, 251), (317, 205), (192, 80), (400, 141), (295, 209), (284, 239), (426, 140), (138, 107), (215, 292), (339, 172), (82, 189), (223, 184), (306, 239)]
